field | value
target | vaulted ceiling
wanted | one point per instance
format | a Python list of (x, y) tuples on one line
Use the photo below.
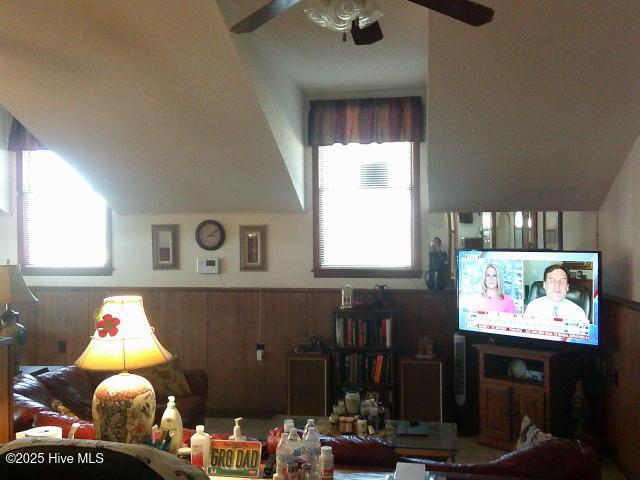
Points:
[(165, 111)]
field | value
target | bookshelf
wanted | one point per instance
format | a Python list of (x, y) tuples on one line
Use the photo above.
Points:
[(363, 356)]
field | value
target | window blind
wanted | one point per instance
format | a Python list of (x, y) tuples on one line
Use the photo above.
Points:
[(63, 220), (365, 205)]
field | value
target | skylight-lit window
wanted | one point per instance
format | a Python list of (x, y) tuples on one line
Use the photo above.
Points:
[(366, 210), (64, 226)]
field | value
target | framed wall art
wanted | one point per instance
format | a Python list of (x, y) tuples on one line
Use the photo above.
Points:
[(164, 240), (253, 247)]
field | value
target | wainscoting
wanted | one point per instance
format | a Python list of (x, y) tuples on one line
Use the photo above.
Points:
[(217, 330)]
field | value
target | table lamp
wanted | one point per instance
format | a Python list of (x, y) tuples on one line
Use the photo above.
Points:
[(124, 405), (14, 290)]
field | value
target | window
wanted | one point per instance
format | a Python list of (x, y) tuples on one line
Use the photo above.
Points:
[(366, 205), (64, 227)]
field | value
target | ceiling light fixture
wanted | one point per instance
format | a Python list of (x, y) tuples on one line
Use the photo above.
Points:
[(339, 15)]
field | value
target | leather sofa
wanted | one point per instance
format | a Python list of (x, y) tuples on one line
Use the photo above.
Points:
[(34, 397), (553, 459)]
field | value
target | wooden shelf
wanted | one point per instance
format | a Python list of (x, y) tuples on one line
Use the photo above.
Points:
[(374, 328), (366, 386), (363, 349)]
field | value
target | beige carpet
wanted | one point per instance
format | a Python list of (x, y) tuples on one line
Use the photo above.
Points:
[(469, 451)]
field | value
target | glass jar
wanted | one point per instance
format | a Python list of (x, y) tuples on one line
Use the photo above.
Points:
[(352, 402)]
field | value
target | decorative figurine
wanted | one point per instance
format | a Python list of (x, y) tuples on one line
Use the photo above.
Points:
[(425, 348), (580, 409), (436, 276)]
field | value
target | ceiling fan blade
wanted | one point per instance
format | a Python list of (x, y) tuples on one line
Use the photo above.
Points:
[(367, 35), (263, 15), (464, 10)]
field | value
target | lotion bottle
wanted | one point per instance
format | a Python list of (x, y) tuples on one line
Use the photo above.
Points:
[(171, 420), (201, 448)]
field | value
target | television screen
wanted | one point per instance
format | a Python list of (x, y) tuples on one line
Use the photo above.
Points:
[(545, 295)]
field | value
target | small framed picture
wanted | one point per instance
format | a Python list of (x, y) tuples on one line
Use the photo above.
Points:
[(253, 247), (164, 240)]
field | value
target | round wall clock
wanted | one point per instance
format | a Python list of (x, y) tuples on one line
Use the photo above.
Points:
[(210, 235)]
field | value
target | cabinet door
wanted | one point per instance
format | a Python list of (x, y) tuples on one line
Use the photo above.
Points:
[(528, 401), (495, 410)]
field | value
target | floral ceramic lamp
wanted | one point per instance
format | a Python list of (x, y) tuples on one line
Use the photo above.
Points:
[(124, 405)]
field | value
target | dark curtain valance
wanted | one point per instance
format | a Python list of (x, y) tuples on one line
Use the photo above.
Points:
[(21, 139), (365, 120)]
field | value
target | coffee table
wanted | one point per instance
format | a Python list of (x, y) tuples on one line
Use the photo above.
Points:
[(441, 443)]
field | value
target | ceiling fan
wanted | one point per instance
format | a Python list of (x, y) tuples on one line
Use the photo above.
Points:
[(465, 11)]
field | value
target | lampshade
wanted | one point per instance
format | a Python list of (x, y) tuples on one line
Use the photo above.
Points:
[(12, 286), (123, 339)]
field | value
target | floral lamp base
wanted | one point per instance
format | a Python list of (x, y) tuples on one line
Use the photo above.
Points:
[(124, 407)]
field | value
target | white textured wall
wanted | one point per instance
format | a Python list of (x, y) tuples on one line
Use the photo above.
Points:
[(619, 230), (580, 230)]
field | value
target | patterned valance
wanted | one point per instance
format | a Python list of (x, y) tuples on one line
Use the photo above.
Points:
[(21, 139), (365, 120)]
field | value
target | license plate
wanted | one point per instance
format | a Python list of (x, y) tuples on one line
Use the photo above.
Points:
[(235, 459)]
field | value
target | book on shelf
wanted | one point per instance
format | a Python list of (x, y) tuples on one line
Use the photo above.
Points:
[(339, 331)]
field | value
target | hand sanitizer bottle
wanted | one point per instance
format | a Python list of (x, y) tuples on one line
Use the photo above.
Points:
[(172, 421), (237, 432)]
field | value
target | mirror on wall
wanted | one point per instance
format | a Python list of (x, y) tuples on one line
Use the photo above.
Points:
[(524, 229)]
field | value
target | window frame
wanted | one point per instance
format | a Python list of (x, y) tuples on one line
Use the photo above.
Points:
[(107, 269), (416, 266)]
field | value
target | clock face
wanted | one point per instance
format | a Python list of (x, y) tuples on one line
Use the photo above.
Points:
[(210, 235)]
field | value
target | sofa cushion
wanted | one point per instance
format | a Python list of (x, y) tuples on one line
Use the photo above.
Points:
[(530, 434), (167, 379), (24, 409), (32, 388), (72, 386)]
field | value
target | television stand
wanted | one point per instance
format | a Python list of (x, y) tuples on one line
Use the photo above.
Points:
[(515, 382)]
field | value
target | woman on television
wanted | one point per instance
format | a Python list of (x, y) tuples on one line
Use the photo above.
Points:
[(492, 297)]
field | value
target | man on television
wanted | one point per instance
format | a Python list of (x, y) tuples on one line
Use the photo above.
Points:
[(555, 304)]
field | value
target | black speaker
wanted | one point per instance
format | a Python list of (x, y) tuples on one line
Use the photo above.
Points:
[(459, 369), (465, 217), (465, 385)]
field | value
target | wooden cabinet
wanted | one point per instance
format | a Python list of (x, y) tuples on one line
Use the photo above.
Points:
[(6, 388), (420, 389), (363, 357), (505, 400)]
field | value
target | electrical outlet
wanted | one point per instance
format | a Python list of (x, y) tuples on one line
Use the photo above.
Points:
[(260, 352), (62, 346)]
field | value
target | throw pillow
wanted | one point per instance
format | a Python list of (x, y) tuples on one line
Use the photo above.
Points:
[(530, 434), (167, 379)]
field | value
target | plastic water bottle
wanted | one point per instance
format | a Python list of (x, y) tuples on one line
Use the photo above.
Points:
[(312, 451), (310, 423), (284, 454), (296, 444)]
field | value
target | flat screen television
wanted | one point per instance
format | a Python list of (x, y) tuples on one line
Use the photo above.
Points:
[(540, 295)]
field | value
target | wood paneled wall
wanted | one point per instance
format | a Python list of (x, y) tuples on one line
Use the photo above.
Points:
[(217, 330), (621, 341)]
